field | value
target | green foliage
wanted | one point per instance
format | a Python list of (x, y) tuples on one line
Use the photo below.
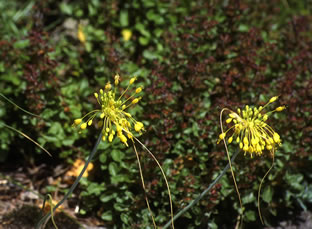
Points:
[(193, 58)]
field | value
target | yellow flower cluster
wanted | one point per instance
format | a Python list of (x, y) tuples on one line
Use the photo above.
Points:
[(251, 131), (114, 118)]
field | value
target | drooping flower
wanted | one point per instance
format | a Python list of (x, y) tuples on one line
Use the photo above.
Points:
[(114, 118), (251, 131)]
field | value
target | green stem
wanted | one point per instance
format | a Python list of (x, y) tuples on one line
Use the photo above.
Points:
[(191, 204), (27, 112), (47, 216)]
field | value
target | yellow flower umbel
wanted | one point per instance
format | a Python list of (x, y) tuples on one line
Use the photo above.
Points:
[(114, 118), (251, 131)]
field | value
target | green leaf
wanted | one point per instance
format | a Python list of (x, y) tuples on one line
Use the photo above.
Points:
[(120, 178), (250, 215), (117, 155), (105, 198), (294, 180), (150, 55), (66, 9), (68, 142), (55, 128), (248, 198), (103, 157), (21, 44), (141, 28), (267, 194), (82, 212), (107, 216), (120, 207), (123, 18), (143, 40), (124, 218), (243, 28), (113, 168), (95, 189)]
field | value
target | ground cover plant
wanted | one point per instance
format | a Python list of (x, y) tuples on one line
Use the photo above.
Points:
[(192, 58)]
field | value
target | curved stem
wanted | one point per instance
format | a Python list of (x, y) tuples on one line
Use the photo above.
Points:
[(47, 216), (10, 101), (26, 136), (143, 184), (191, 204), (259, 191), (164, 176), (229, 160)]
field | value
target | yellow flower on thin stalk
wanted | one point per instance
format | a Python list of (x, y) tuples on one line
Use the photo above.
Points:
[(252, 133), (116, 121)]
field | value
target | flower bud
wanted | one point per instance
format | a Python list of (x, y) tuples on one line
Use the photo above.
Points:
[(83, 126), (280, 108), (78, 121), (138, 126), (108, 86), (138, 90), (117, 79), (132, 80), (229, 120), (273, 99), (136, 100), (222, 136)]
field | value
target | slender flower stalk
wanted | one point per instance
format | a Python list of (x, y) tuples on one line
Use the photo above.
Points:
[(193, 202), (44, 219)]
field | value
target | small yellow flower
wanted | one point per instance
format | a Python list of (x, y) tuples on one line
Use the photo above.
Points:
[(80, 34), (126, 34), (251, 130), (114, 118)]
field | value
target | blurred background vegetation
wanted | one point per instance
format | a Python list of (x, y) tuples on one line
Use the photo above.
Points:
[(193, 58)]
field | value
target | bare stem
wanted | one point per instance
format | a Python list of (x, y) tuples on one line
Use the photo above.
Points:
[(191, 204), (47, 216)]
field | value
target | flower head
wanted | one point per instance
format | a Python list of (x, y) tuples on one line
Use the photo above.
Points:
[(251, 131), (114, 118)]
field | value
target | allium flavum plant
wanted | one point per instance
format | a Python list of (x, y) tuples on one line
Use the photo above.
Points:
[(250, 130), (116, 121), (114, 118)]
